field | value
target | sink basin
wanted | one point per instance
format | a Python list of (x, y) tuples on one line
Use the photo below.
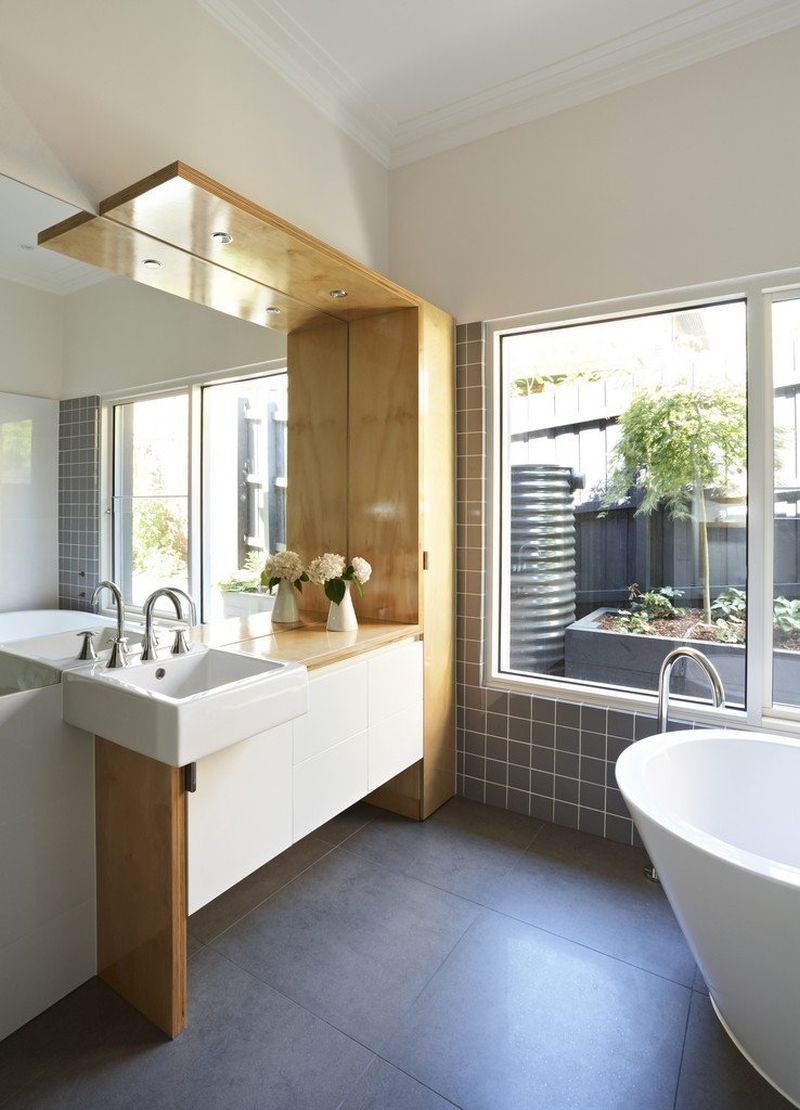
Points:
[(184, 707)]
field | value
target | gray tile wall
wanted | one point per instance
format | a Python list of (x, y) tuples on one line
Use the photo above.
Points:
[(78, 501), (548, 758)]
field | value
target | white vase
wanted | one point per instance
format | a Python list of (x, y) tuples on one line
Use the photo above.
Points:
[(342, 617), (285, 610)]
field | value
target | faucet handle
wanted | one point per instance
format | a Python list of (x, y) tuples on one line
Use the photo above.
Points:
[(180, 645), (87, 647)]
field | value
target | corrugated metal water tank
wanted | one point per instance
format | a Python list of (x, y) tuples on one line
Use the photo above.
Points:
[(542, 565)]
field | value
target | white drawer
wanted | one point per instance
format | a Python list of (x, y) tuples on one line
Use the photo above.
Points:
[(328, 783), (337, 708), (395, 680), (395, 744), (241, 813)]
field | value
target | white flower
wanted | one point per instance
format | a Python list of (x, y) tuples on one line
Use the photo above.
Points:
[(361, 569), (326, 567), (284, 564)]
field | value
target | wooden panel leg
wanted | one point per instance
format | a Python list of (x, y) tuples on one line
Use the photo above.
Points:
[(141, 882)]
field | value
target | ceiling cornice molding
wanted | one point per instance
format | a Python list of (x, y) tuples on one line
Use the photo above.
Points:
[(271, 33), (459, 124), (707, 29)]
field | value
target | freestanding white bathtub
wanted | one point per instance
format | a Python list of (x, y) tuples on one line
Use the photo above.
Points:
[(719, 814)]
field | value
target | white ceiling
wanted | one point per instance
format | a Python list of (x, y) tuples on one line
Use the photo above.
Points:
[(408, 78), (24, 212)]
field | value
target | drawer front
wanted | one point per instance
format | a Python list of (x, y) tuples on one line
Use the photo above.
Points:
[(328, 783), (337, 708), (395, 680), (241, 814), (394, 744)]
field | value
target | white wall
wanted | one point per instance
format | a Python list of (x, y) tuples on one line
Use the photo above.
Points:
[(30, 340), (28, 502), (686, 179), (119, 334), (117, 89)]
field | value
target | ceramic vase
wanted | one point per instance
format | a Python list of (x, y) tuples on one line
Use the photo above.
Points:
[(342, 617), (285, 610)]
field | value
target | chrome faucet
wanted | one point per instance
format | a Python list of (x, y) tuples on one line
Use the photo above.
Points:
[(662, 712), (118, 657), (180, 644), (665, 674)]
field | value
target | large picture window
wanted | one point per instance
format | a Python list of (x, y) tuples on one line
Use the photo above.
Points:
[(624, 448)]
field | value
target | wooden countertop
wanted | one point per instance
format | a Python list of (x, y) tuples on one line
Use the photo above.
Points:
[(308, 642)]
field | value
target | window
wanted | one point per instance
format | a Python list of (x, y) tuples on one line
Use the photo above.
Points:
[(630, 484), (244, 489), (786, 537), (151, 495), (198, 492)]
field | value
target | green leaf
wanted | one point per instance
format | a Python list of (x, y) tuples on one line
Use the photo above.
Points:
[(273, 582), (298, 584), (335, 590), (359, 587)]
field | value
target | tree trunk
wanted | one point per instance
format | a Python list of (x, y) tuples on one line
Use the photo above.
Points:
[(705, 567)]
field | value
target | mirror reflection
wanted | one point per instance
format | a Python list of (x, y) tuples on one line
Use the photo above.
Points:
[(153, 430)]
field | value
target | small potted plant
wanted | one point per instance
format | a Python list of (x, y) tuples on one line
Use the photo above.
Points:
[(285, 570), (336, 575)]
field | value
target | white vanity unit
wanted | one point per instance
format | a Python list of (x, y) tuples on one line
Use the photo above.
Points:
[(254, 799), (109, 843)]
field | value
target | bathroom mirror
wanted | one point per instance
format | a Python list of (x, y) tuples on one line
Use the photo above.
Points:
[(145, 437)]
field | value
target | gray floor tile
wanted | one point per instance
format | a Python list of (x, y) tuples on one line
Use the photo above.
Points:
[(245, 1046), (353, 942), (593, 891), (217, 916), (383, 1087), (193, 946), (464, 847), (699, 983), (518, 1018), (73, 1054), (338, 829), (714, 1074)]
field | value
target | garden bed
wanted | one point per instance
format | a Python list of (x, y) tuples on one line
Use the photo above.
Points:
[(596, 652)]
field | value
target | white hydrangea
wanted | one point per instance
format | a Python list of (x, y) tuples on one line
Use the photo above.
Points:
[(284, 564), (361, 569), (326, 567)]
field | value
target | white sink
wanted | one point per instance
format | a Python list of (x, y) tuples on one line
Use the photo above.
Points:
[(184, 707)]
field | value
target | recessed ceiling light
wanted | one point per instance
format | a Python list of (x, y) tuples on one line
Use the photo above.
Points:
[(221, 237), (272, 310), (152, 263), (337, 294), (27, 247)]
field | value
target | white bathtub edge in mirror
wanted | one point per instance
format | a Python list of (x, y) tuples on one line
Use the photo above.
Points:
[(719, 816)]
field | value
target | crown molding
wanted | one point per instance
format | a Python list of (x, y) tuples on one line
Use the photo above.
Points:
[(274, 36), (705, 30)]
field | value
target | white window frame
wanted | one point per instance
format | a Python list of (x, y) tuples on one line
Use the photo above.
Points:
[(758, 292), (193, 387)]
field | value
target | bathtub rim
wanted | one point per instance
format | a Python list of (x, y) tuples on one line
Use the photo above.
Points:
[(629, 772)]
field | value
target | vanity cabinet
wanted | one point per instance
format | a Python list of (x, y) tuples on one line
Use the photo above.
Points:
[(364, 725)]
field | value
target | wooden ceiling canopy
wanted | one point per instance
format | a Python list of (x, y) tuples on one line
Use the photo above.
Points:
[(171, 215)]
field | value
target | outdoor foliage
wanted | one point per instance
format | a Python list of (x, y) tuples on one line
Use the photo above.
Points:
[(646, 608), (675, 445)]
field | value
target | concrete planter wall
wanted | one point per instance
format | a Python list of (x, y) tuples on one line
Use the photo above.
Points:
[(594, 654)]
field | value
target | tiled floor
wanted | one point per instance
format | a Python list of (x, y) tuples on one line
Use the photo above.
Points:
[(480, 960)]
